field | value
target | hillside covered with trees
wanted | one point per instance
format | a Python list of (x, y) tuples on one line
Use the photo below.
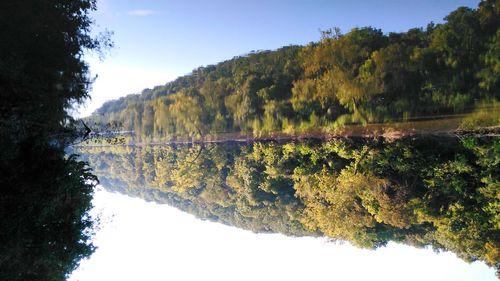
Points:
[(441, 192), (363, 76)]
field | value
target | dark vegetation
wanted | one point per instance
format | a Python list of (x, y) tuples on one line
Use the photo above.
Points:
[(45, 195), (441, 192), (363, 76)]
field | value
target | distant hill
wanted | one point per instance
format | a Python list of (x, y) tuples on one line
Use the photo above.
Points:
[(363, 76)]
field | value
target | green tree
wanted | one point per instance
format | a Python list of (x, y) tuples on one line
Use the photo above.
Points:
[(45, 196)]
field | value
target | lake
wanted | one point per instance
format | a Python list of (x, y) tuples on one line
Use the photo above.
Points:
[(398, 202)]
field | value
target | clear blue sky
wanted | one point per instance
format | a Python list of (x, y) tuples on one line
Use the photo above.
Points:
[(157, 40)]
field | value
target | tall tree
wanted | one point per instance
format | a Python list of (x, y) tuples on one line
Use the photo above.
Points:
[(45, 196)]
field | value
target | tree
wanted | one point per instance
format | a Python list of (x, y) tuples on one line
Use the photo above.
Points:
[(42, 72), (45, 195), (44, 203), (423, 191)]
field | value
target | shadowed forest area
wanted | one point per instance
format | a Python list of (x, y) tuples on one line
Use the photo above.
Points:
[(45, 195)]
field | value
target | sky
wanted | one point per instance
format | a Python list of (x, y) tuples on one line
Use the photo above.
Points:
[(159, 40)]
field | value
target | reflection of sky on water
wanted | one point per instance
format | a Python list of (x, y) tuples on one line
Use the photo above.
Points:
[(148, 241)]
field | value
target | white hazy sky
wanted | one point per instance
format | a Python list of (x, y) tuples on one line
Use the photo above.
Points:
[(147, 241)]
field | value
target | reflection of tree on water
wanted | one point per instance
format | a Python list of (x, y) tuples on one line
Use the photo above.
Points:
[(437, 191), (44, 204)]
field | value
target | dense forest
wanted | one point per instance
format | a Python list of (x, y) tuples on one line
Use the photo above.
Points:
[(433, 191), (363, 76), (45, 194)]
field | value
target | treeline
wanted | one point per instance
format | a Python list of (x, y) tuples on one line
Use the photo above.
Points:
[(363, 76), (435, 191), (199, 180)]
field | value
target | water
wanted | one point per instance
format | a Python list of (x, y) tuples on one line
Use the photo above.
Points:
[(426, 191)]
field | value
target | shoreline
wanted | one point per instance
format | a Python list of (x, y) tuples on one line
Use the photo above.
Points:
[(370, 131)]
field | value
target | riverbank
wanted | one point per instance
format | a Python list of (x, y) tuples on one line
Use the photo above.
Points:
[(391, 131)]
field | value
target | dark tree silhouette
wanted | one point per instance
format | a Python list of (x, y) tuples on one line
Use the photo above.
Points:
[(45, 195)]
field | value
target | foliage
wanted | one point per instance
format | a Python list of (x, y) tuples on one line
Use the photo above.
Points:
[(44, 221), (430, 191), (45, 195), (363, 76)]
